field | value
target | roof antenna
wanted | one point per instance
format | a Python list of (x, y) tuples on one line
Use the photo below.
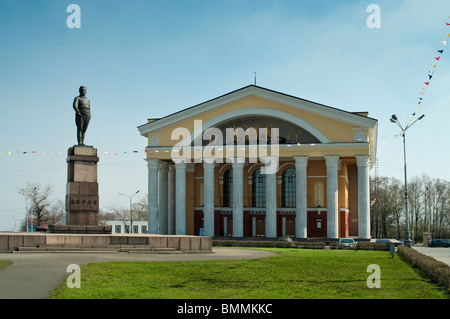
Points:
[(255, 77)]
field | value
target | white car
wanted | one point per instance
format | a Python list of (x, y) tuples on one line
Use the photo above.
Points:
[(347, 242)]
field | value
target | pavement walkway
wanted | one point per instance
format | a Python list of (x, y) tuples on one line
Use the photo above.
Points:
[(438, 253), (35, 275)]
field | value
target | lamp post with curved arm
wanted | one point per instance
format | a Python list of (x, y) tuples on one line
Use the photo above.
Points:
[(394, 119), (131, 212)]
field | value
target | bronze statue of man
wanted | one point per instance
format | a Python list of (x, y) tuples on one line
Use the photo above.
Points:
[(82, 107)]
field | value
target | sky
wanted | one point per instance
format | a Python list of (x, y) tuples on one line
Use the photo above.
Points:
[(147, 59)]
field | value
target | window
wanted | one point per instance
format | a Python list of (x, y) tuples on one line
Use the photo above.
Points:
[(258, 189), (135, 229), (228, 188), (118, 229), (288, 188), (144, 229), (318, 224), (127, 229)]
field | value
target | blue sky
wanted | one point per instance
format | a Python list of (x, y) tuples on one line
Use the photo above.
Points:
[(147, 59)]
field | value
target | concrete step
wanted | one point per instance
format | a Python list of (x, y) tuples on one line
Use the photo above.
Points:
[(94, 246), (31, 249), (97, 248), (137, 246), (146, 249)]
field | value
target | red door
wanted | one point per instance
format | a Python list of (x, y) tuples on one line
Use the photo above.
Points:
[(317, 224)]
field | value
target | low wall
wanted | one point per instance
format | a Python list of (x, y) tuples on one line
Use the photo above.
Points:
[(13, 241)]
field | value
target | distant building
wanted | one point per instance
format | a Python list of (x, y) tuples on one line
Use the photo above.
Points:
[(121, 227), (320, 187)]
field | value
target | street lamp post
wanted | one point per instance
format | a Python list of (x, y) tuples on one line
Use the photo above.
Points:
[(26, 209), (395, 120), (131, 212), (428, 216)]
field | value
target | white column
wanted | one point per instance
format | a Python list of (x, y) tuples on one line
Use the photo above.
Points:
[(363, 163), (332, 163), (301, 230), (180, 205), (163, 192), (153, 168), (208, 197), (271, 198), (238, 197), (171, 200)]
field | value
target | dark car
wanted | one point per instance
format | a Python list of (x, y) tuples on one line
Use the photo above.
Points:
[(395, 242), (383, 241), (439, 243)]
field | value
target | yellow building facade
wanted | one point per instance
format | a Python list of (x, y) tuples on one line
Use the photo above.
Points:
[(259, 163)]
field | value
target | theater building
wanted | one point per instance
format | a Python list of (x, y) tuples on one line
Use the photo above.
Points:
[(304, 174)]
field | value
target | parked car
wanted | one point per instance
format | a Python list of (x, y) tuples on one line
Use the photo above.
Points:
[(439, 243), (288, 239), (388, 241), (347, 242), (383, 241)]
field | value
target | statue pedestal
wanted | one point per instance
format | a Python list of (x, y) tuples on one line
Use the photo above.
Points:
[(82, 200)]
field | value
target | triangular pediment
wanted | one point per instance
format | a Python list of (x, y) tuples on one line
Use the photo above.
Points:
[(319, 123), (256, 92)]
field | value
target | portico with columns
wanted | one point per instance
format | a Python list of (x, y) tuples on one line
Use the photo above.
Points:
[(311, 181)]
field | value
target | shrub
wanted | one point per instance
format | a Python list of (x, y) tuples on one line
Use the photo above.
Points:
[(372, 246), (310, 245), (438, 271), (296, 244), (253, 243)]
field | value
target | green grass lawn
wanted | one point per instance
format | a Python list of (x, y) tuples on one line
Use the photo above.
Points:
[(294, 273), (5, 263)]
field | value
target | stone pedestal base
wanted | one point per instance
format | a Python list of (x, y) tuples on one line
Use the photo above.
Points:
[(82, 200)]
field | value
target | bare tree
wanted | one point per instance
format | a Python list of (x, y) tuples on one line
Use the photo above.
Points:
[(429, 204), (116, 213), (39, 198), (140, 209), (387, 208), (58, 208), (415, 189)]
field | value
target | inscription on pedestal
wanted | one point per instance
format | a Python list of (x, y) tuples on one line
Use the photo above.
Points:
[(82, 203)]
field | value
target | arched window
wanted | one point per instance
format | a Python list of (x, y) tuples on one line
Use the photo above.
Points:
[(288, 188), (258, 189), (318, 194), (228, 188)]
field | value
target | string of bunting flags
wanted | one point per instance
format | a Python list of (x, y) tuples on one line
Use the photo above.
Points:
[(428, 79), (430, 75), (64, 153), (188, 149)]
